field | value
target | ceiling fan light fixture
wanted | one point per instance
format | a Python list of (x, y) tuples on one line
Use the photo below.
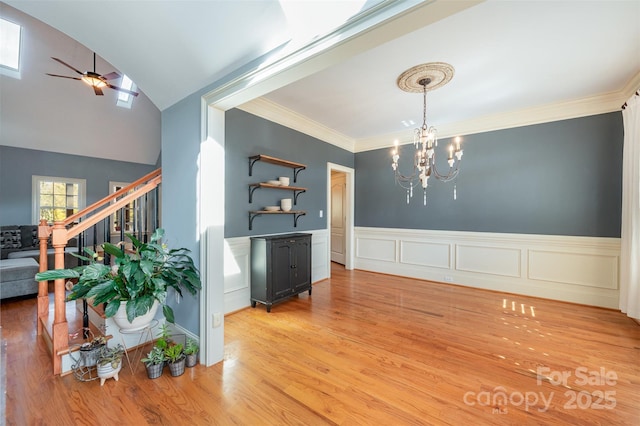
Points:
[(94, 81)]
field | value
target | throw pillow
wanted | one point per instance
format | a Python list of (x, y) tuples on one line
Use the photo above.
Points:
[(10, 237)]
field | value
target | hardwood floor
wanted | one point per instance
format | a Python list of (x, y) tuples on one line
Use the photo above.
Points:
[(364, 349)]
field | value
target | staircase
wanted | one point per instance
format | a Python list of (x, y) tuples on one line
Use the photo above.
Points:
[(131, 210)]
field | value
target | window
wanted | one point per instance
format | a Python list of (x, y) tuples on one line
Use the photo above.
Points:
[(55, 198), (129, 219), (124, 99), (10, 35)]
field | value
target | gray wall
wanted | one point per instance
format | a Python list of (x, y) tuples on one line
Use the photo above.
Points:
[(18, 165), (560, 178), (248, 135), (245, 135), (180, 159)]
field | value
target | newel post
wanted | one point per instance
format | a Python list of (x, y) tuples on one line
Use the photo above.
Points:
[(60, 332), (44, 232)]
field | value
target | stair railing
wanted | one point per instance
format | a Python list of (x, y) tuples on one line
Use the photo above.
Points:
[(77, 225)]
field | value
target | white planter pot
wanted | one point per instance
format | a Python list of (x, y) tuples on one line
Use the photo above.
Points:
[(138, 323), (107, 371)]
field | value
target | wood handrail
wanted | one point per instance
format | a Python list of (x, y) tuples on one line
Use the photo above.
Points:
[(114, 207), (109, 198)]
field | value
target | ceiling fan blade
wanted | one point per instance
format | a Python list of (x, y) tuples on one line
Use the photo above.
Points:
[(98, 91), (64, 76), (122, 90), (66, 65), (111, 76)]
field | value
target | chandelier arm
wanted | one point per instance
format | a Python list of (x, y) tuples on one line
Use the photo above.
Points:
[(404, 178), (407, 184), (410, 186), (449, 176)]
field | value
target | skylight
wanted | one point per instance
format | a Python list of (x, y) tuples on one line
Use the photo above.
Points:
[(306, 20), (10, 46), (124, 99)]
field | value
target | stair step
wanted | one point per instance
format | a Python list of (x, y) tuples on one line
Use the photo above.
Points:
[(74, 324), (74, 346)]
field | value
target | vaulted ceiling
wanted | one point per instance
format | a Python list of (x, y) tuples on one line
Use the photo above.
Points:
[(516, 62)]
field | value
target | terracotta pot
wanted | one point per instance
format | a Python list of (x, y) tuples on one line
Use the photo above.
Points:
[(138, 323)]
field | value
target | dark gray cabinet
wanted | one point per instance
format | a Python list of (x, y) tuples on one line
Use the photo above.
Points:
[(280, 267)]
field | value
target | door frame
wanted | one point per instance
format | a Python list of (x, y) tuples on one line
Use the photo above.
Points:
[(349, 210)]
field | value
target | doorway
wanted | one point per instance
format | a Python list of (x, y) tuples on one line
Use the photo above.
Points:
[(340, 215)]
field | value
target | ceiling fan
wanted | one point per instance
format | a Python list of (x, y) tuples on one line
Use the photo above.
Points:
[(93, 79)]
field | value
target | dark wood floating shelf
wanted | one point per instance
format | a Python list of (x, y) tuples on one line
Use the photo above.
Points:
[(297, 167), (255, 213), (297, 190)]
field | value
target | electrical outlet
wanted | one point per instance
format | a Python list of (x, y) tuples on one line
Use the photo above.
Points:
[(321, 213), (448, 278)]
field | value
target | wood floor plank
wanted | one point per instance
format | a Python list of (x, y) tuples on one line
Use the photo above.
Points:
[(364, 349)]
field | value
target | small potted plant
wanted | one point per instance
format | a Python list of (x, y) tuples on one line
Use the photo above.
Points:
[(175, 359), (164, 337), (109, 362), (191, 353), (154, 362), (89, 351)]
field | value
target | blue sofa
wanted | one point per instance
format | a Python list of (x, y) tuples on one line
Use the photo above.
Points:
[(17, 277)]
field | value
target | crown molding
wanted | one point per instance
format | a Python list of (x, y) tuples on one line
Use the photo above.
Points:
[(576, 108), (631, 87), (272, 111)]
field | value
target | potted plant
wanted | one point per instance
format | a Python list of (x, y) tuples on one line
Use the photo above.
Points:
[(154, 362), (191, 353), (109, 362), (89, 351), (164, 337), (136, 283), (175, 358)]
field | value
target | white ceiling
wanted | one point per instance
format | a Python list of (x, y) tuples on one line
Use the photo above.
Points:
[(523, 61), (507, 56)]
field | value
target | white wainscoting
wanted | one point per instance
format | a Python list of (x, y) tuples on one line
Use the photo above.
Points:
[(573, 269), (237, 263)]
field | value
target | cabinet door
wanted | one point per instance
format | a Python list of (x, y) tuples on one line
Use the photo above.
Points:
[(281, 269), (301, 261)]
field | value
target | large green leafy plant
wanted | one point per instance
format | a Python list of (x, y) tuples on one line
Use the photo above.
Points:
[(138, 276)]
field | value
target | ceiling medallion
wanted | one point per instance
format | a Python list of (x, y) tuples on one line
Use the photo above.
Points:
[(437, 73)]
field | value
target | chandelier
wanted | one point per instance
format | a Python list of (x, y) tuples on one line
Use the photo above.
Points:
[(423, 78)]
